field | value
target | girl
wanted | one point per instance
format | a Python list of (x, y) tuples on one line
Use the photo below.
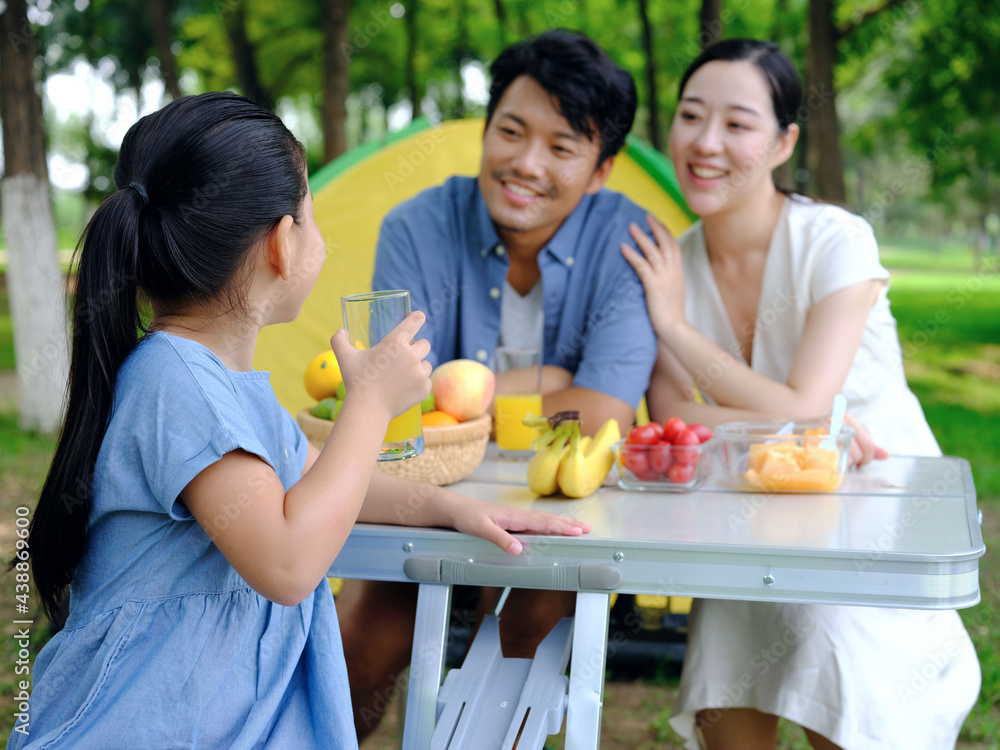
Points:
[(184, 510), (783, 301)]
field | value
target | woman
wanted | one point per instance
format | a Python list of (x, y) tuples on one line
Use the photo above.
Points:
[(769, 306)]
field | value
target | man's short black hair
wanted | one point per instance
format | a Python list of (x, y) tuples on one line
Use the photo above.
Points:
[(589, 89)]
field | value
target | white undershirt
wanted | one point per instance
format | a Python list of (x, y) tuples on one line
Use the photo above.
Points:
[(522, 319)]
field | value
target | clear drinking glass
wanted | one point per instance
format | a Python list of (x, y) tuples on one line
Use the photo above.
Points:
[(518, 391), (368, 318)]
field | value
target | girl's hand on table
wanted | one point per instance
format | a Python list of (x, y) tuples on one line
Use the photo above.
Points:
[(863, 448), (660, 269), (493, 521)]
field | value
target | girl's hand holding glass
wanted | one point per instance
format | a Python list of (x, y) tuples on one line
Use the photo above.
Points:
[(661, 271), (394, 373)]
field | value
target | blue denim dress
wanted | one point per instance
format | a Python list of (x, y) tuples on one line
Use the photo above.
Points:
[(166, 646)]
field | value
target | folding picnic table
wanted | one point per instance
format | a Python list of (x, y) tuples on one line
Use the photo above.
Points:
[(904, 532)]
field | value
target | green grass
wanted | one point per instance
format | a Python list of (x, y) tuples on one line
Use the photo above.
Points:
[(951, 256), (6, 332), (949, 324), (949, 328)]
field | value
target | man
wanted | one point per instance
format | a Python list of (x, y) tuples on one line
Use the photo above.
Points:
[(526, 254)]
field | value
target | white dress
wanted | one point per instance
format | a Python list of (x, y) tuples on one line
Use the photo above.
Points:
[(862, 677)]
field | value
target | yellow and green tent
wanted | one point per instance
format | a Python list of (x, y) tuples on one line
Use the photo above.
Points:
[(354, 192)]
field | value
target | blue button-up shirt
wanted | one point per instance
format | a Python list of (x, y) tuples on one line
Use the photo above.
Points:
[(443, 247)]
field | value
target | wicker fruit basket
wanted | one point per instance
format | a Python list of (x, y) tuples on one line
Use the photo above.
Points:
[(450, 452)]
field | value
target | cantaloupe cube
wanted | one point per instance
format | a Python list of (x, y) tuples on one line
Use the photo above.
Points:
[(804, 480), (821, 458), (759, 452), (789, 466), (779, 463)]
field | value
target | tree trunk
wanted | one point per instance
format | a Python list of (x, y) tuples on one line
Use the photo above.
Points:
[(800, 173), (651, 87), (460, 53), (501, 13), (710, 22), (234, 16), (34, 282), (820, 99), (159, 20), (336, 77), (411, 58), (523, 22), (784, 175), (781, 25)]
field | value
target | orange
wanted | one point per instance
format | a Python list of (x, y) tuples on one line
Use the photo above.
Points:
[(437, 418), (323, 376)]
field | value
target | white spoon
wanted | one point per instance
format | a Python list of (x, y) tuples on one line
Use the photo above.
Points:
[(836, 422), (786, 429)]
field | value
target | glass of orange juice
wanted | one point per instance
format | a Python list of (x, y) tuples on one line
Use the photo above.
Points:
[(518, 391), (368, 318)]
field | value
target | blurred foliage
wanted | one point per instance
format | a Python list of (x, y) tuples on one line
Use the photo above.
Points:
[(916, 97), (949, 103)]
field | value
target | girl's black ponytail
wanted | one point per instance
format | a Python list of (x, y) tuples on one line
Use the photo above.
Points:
[(201, 181), (105, 326)]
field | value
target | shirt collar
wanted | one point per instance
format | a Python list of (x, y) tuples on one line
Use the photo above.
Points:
[(483, 231), (562, 245), (566, 240)]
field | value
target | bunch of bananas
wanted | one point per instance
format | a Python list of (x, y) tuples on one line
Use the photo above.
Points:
[(564, 460)]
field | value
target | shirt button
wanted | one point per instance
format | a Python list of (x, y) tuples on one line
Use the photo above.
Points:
[(570, 261), (499, 249), (481, 355), (495, 293)]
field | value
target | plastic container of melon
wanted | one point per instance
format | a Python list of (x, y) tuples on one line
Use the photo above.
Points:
[(755, 458)]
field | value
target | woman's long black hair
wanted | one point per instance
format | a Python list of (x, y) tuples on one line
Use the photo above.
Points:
[(200, 182)]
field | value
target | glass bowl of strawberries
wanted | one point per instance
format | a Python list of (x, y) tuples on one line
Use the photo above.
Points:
[(668, 457)]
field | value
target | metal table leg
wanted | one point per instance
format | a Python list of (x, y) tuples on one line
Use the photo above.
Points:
[(586, 677), (430, 637)]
